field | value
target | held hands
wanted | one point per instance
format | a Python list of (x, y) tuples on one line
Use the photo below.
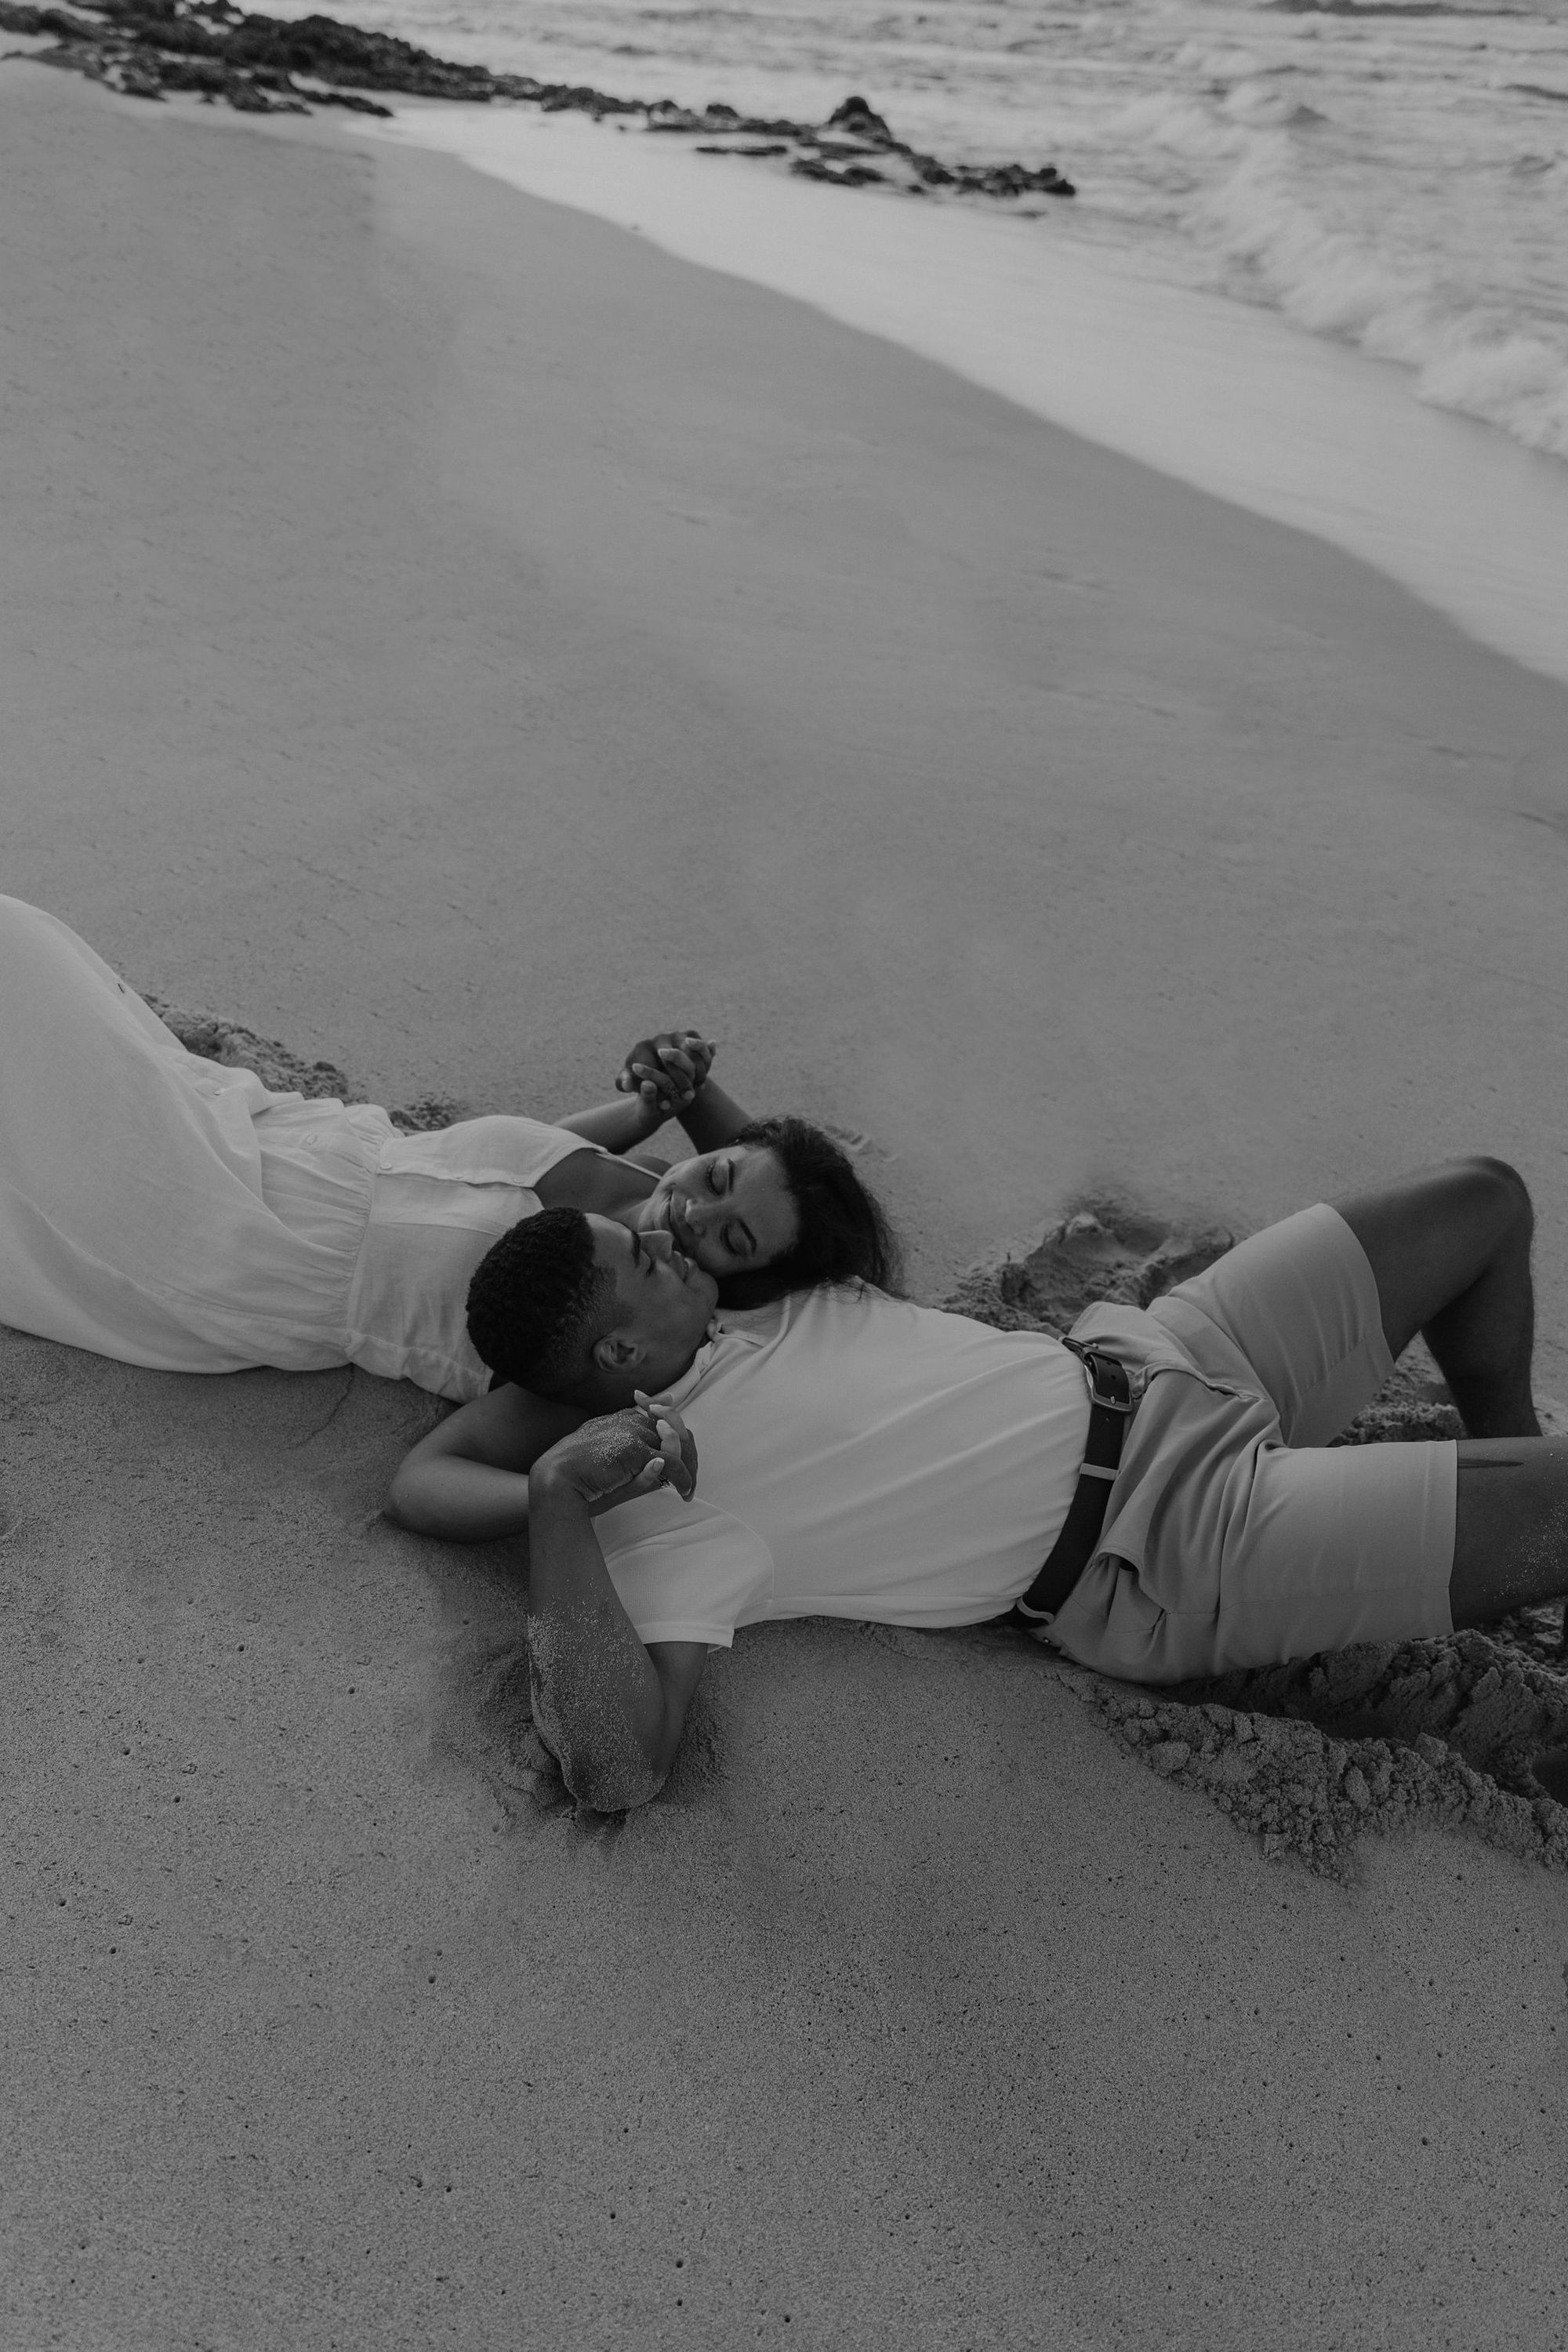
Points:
[(665, 1071), (624, 1455)]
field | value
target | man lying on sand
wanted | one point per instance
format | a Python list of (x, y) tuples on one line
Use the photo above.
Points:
[(864, 1457)]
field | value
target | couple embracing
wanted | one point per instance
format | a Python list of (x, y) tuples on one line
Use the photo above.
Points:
[(696, 1390)]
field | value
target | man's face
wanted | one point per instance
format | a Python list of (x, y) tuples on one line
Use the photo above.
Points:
[(664, 1301)]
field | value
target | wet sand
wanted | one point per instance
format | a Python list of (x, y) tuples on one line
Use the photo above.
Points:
[(439, 632)]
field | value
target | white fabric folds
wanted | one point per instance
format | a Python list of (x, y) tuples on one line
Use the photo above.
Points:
[(166, 1211)]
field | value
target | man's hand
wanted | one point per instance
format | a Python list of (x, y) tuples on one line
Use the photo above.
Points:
[(668, 1071), (621, 1455)]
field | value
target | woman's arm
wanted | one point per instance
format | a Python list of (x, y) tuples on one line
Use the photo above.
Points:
[(658, 1081), (669, 1074), (620, 1126), (711, 1118)]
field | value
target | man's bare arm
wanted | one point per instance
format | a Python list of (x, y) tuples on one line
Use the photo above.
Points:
[(467, 1479), (609, 1709)]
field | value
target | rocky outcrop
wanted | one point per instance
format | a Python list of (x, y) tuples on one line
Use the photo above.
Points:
[(266, 65)]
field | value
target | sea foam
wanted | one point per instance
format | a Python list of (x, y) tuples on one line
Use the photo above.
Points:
[(1466, 355)]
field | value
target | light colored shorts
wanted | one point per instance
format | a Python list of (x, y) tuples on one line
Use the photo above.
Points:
[(1234, 1536)]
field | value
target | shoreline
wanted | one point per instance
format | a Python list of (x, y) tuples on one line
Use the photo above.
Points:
[(1295, 427), (436, 629), (1298, 428)]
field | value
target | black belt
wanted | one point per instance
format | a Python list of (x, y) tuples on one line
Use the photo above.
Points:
[(1075, 1547)]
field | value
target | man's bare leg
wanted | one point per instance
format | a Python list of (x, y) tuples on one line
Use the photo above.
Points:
[(1510, 1535), (1449, 1248), (1450, 1251)]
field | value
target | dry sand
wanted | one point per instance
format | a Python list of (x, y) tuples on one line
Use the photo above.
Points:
[(439, 632)]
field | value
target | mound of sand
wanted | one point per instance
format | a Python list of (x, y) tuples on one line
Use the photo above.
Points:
[(1103, 1248), (217, 1039), (1311, 1756)]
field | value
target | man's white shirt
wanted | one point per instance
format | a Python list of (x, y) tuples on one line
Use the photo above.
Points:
[(859, 1457)]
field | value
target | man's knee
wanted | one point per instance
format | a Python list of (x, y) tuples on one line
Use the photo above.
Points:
[(1500, 1195)]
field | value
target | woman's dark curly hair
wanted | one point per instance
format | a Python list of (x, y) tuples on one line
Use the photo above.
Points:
[(843, 1234)]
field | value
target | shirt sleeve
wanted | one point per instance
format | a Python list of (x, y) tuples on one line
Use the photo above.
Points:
[(685, 1572)]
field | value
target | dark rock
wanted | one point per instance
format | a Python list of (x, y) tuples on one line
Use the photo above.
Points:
[(250, 60), (353, 99), (66, 28), (856, 117), (182, 35), (196, 73), (333, 52), (248, 98), (577, 97), (852, 175)]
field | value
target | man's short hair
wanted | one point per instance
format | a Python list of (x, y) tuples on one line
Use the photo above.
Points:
[(538, 1301)]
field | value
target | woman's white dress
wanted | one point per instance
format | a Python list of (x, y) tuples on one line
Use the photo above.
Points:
[(168, 1211)]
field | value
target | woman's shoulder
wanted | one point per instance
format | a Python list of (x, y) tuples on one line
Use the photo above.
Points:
[(499, 1149)]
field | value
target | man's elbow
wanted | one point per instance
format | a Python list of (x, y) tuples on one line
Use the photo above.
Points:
[(415, 1500), (614, 1776), (613, 1788), (402, 1504)]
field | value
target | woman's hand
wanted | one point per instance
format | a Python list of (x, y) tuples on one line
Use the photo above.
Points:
[(620, 1455), (667, 1071)]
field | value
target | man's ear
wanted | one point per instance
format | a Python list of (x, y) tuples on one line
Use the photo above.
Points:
[(616, 1352)]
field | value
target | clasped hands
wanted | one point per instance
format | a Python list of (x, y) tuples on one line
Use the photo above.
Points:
[(665, 1071), (620, 1455)]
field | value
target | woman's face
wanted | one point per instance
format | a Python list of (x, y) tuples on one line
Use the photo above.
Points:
[(730, 1210)]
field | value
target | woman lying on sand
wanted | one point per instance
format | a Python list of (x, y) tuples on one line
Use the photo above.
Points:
[(170, 1211)]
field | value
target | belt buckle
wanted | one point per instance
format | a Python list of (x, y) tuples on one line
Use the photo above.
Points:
[(1098, 1387)]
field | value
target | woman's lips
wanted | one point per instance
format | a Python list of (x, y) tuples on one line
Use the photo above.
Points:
[(676, 1226)]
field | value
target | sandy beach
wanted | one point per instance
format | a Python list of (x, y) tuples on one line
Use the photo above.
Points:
[(446, 633)]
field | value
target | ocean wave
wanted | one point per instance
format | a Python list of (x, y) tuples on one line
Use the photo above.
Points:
[(1392, 183), (1179, 125), (1463, 355)]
